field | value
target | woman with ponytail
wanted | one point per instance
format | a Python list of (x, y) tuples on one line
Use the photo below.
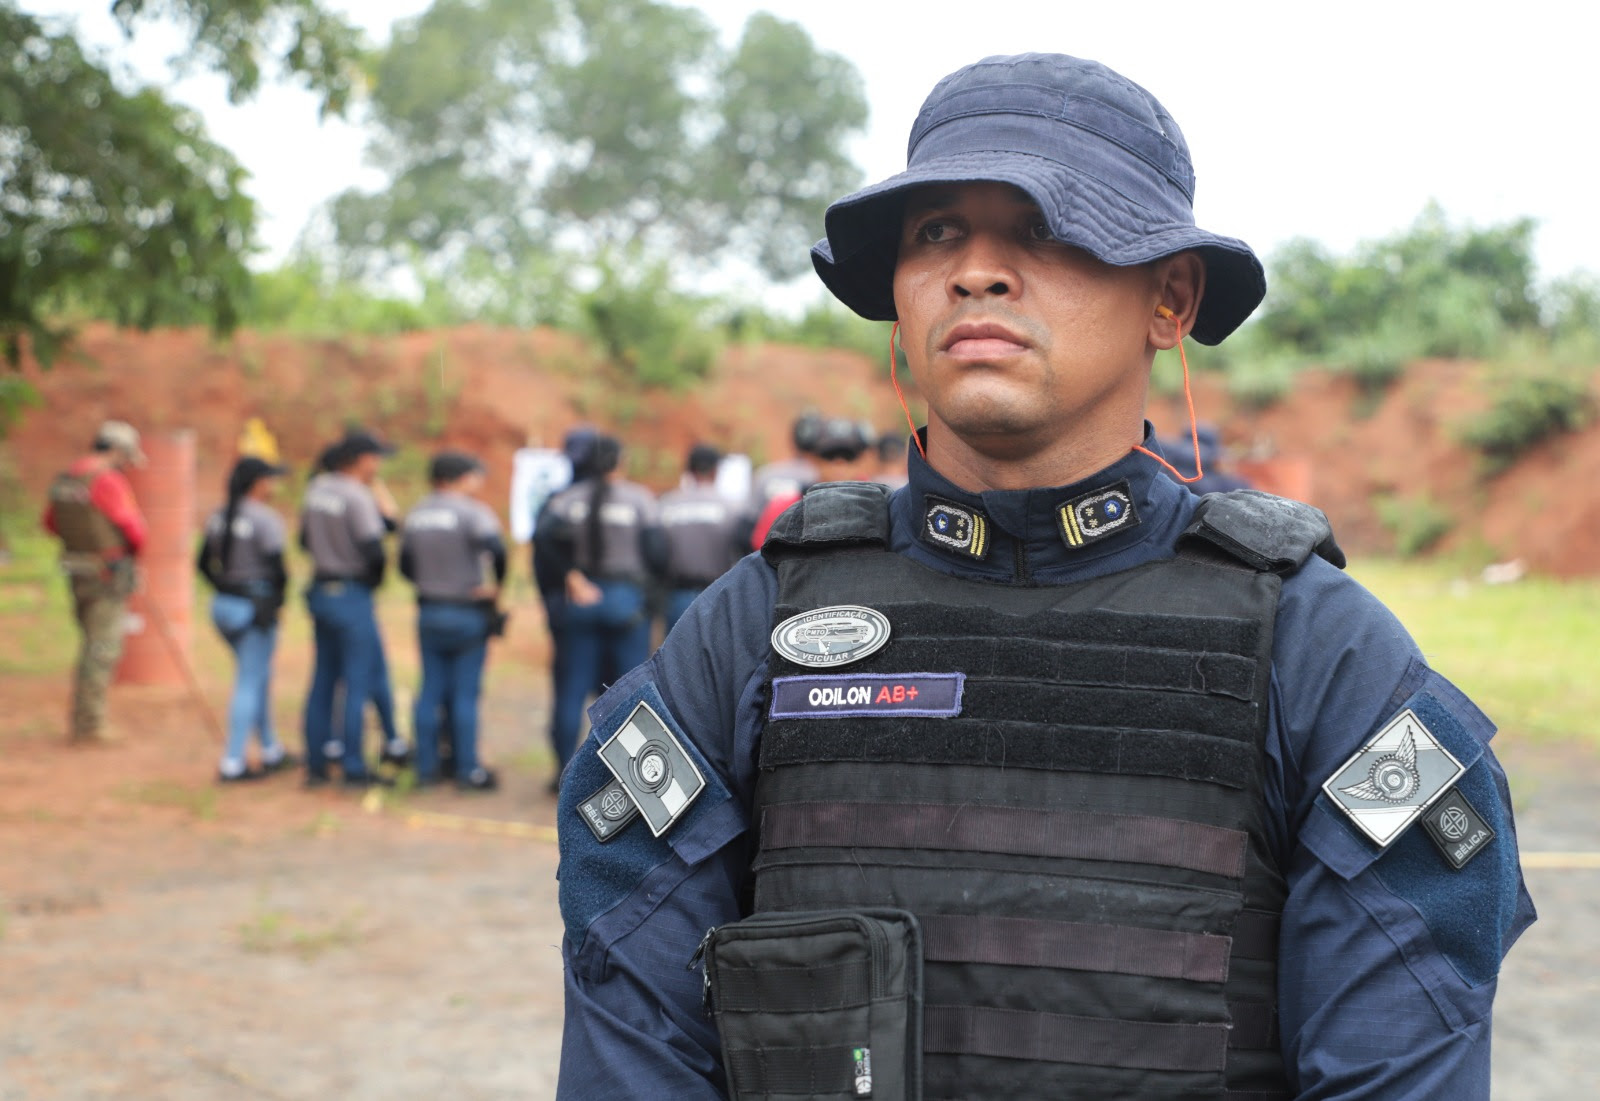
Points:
[(600, 542), (242, 558)]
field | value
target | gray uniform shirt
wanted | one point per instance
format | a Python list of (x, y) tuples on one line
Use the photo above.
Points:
[(258, 533), (447, 539), (699, 526), (339, 514), (785, 477), (629, 509)]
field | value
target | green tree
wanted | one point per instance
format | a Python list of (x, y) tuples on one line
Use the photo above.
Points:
[(598, 127), (115, 203)]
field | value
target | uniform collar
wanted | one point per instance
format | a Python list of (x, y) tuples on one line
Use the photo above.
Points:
[(1130, 511)]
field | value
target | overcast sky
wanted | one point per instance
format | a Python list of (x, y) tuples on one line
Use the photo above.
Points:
[(1333, 121)]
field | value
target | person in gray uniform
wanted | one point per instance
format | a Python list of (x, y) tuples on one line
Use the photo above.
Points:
[(788, 477), (701, 530), (342, 528), (602, 537), (452, 550), (241, 556)]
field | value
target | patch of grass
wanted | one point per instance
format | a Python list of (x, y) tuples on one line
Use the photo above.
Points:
[(1524, 652), (268, 931), (200, 802), (325, 824)]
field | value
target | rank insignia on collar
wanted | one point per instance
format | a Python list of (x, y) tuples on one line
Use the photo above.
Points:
[(1393, 779), (956, 527), (1097, 514)]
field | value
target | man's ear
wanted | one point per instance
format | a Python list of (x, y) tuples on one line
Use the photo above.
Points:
[(1180, 283)]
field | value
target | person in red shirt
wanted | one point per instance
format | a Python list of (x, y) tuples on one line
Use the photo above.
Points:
[(93, 512)]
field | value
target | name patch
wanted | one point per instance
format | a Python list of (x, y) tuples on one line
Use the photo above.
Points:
[(918, 695), (1097, 514), (956, 527), (1459, 831), (1391, 780), (608, 811), (835, 635), (656, 772)]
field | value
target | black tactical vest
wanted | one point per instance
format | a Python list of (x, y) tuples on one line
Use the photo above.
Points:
[(1083, 843)]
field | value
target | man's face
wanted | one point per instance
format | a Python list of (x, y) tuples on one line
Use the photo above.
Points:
[(1015, 338), (365, 468)]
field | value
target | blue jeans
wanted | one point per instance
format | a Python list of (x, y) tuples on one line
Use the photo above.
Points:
[(251, 706), (678, 601), (348, 646), (594, 641), (454, 641)]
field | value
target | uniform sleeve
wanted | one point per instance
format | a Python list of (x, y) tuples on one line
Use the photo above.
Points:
[(1388, 957), (489, 540), (269, 532), (112, 495), (636, 907)]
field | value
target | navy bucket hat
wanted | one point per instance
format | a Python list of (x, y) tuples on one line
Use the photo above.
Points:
[(1101, 158)]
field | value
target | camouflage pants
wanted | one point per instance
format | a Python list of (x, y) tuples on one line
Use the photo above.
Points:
[(100, 607)]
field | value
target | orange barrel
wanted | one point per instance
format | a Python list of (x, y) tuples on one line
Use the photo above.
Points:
[(1284, 476), (156, 649)]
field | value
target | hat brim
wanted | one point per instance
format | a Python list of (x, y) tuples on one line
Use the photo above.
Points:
[(856, 260)]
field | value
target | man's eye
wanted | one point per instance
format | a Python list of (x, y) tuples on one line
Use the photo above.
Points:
[(934, 232), (1039, 231)]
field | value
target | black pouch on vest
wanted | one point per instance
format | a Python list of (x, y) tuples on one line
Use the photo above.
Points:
[(823, 1004)]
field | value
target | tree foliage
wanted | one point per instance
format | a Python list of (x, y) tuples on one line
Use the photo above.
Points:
[(598, 127), (115, 203), (1435, 289)]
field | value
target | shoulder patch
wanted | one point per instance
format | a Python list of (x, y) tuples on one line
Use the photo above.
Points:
[(654, 770), (1389, 782)]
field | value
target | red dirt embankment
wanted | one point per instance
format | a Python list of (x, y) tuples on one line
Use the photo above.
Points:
[(494, 390)]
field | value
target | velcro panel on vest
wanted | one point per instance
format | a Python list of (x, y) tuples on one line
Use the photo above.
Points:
[(1054, 747), (1060, 1038), (1266, 533), (1021, 831), (82, 528), (1075, 946), (793, 1072), (832, 514)]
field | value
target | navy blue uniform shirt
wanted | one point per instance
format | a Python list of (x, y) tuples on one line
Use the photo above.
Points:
[(1387, 958)]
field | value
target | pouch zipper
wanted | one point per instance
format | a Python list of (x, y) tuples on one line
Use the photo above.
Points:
[(875, 935)]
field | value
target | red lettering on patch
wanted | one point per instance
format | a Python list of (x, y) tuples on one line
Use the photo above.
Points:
[(883, 695)]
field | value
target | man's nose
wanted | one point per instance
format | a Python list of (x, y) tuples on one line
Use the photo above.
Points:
[(984, 267)]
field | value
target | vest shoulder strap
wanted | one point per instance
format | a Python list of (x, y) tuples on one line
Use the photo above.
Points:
[(1266, 533), (831, 515)]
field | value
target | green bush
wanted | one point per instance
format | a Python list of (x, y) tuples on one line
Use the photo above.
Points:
[(1259, 383), (1529, 408), (1415, 523), (653, 334)]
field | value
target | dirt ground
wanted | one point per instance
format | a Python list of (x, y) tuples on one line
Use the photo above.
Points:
[(163, 937)]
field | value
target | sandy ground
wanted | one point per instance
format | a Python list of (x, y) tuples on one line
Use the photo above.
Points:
[(163, 938)]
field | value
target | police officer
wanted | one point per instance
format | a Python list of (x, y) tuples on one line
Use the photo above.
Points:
[(891, 460), (701, 528), (837, 444), (451, 548), (92, 511), (241, 555), (1180, 809), (342, 528), (788, 476), (601, 537)]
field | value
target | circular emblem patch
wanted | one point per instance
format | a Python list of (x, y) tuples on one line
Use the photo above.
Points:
[(1395, 779), (650, 766), (1453, 823), (614, 806), (831, 636)]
